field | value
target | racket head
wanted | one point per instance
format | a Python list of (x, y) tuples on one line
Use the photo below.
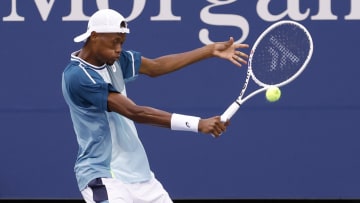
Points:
[(280, 54)]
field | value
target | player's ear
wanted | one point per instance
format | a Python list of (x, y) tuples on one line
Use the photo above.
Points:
[(93, 35)]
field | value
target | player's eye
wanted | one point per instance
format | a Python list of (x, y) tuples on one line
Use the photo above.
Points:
[(116, 42)]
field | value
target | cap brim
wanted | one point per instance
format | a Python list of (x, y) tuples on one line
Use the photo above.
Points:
[(82, 37)]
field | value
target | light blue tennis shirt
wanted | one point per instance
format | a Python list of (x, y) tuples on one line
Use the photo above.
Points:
[(109, 145)]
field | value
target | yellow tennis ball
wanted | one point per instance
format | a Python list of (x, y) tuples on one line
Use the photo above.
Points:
[(273, 94)]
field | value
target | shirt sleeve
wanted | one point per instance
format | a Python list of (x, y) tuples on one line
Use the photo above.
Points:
[(130, 62), (90, 91)]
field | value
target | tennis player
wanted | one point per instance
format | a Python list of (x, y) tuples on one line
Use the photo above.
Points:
[(112, 165)]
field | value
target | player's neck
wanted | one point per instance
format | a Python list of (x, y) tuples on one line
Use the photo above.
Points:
[(86, 55)]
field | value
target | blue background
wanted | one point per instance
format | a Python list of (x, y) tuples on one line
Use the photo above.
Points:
[(306, 145)]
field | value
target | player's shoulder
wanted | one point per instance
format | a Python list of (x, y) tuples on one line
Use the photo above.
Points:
[(74, 68), (130, 54), (78, 73)]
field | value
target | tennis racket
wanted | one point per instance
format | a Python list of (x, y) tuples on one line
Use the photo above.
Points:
[(279, 55)]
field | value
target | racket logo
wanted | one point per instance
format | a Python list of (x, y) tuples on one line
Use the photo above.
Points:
[(286, 54)]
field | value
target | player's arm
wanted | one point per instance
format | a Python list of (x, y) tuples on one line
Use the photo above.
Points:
[(170, 63), (148, 115)]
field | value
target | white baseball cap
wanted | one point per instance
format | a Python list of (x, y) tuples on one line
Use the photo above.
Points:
[(104, 21)]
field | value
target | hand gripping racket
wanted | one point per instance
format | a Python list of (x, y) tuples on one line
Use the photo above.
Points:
[(280, 54)]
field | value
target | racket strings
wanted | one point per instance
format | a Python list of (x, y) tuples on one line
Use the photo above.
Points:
[(280, 54)]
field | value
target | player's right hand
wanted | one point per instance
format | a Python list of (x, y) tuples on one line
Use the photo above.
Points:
[(212, 126)]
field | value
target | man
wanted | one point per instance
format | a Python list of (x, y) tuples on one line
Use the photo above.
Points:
[(112, 165)]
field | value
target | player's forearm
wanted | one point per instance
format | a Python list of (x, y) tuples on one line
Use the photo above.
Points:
[(151, 116), (173, 62), (123, 105)]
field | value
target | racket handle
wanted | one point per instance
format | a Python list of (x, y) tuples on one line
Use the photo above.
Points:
[(230, 111)]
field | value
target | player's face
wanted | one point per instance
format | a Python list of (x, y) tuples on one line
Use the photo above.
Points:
[(108, 47)]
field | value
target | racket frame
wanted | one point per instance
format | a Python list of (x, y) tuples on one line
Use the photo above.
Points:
[(234, 107)]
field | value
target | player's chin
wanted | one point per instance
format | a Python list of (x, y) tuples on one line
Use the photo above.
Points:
[(110, 63), (112, 60)]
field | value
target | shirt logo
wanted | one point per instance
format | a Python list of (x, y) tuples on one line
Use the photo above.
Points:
[(113, 68), (187, 124)]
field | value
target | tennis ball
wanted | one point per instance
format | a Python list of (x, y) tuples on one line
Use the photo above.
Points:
[(273, 94)]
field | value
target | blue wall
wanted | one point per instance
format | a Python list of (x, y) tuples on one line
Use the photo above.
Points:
[(304, 146)]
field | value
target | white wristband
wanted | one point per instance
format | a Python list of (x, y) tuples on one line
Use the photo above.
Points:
[(184, 122)]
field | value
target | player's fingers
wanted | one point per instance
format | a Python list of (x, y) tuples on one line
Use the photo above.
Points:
[(222, 128), (219, 128), (240, 58), (227, 123), (242, 54), (236, 57), (216, 134), (216, 127), (235, 61), (241, 46), (231, 40), (216, 131)]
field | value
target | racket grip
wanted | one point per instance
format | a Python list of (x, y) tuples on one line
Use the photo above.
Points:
[(230, 111)]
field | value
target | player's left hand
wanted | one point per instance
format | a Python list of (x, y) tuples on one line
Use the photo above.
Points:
[(229, 50)]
